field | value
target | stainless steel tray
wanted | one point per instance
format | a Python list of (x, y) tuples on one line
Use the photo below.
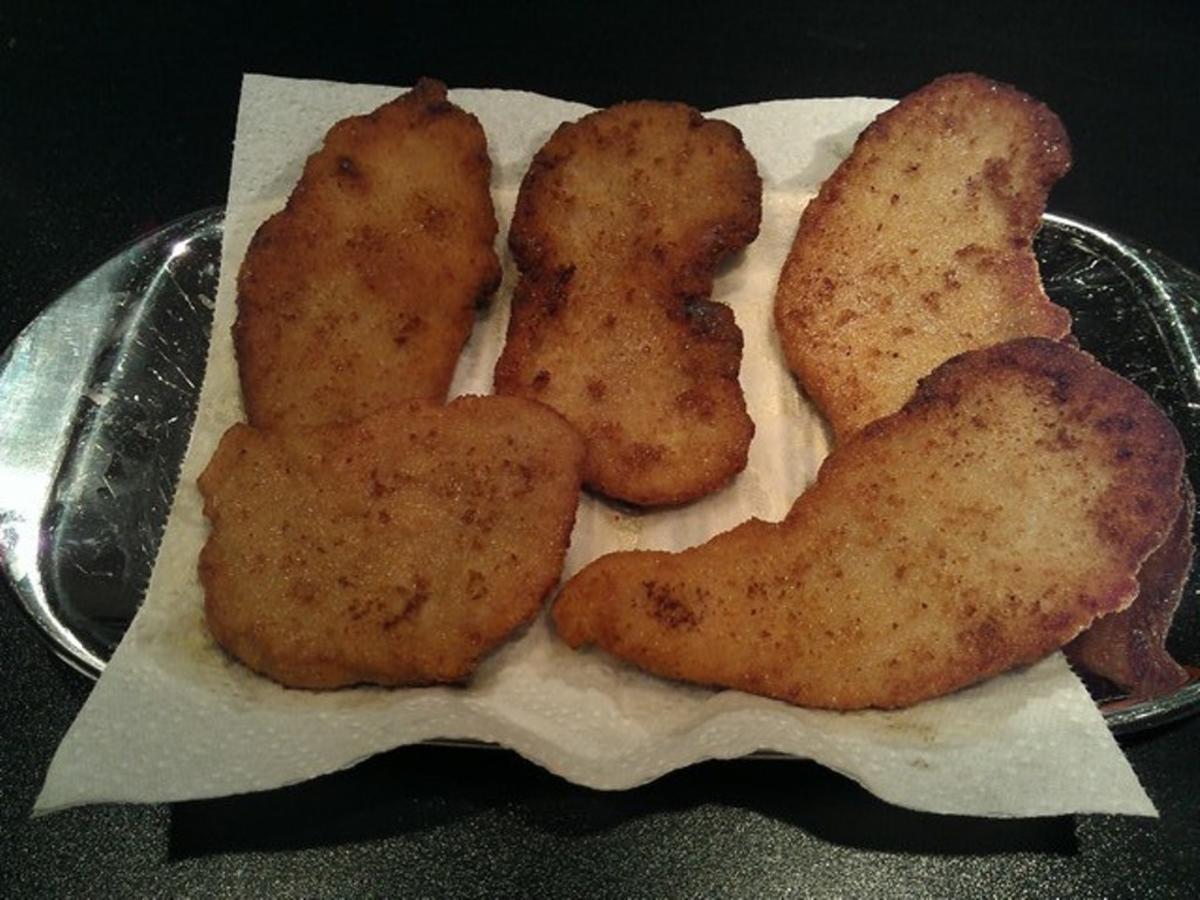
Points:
[(98, 395), (97, 398)]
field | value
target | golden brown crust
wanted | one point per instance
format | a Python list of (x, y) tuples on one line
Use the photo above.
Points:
[(919, 247), (620, 222), (989, 521), (1128, 647), (397, 549), (362, 291)]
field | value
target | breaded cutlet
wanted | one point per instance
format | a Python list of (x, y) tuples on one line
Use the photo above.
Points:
[(363, 290), (1129, 648), (1005, 507), (397, 549), (919, 247), (620, 224)]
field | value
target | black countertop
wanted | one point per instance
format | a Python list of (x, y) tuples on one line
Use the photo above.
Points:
[(114, 120)]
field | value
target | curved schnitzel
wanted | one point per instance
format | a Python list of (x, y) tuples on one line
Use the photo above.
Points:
[(1128, 647), (919, 247), (1010, 503), (362, 291)]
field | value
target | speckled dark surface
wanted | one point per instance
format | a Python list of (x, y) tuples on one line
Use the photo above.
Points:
[(116, 120)]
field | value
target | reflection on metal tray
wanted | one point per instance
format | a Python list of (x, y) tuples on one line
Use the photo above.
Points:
[(99, 394)]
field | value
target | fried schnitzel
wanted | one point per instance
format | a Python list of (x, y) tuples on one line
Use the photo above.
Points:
[(397, 549), (1008, 504), (919, 247), (362, 291), (620, 223), (1128, 647)]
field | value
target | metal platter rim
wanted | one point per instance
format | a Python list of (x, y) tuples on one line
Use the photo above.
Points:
[(62, 640)]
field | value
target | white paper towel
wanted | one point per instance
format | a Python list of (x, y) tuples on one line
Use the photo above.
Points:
[(173, 718)]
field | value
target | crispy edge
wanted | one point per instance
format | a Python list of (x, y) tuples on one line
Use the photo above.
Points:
[(1128, 648)]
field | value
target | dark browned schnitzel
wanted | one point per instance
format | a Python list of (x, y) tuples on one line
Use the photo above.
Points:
[(362, 291), (619, 226), (1010, 503), (1129, 648), (397, 549), (919, 247)]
